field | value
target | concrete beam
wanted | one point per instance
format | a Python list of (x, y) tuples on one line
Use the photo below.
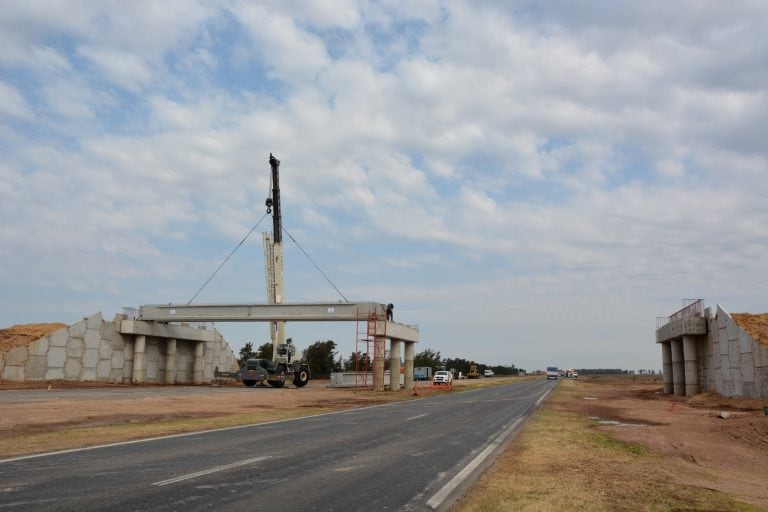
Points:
[(688, 326), (164, 330), (396, 331), (316, 312)]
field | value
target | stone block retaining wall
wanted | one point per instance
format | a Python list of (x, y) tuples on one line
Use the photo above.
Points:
[(732, 362), (94, 350)]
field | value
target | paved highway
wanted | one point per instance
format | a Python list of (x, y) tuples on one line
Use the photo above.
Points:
[(412, 456)]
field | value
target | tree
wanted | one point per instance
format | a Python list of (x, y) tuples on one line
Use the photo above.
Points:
[(320, 357), (265, 351), (462, 365), (246, 353), (359, 361), (428, 358)]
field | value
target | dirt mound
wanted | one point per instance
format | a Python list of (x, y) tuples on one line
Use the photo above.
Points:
[(712, 400), (755, 325), (20, 335)]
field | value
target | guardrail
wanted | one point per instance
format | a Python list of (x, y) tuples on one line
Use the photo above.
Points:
[(691, 307)]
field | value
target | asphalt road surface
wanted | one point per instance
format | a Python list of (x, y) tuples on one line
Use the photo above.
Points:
[(412, 456)]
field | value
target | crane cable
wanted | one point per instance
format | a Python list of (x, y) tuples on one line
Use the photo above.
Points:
[(315, 264), (269, 211), (227, 259)]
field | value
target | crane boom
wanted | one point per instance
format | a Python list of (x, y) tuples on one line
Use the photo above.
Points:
[(273, 257)]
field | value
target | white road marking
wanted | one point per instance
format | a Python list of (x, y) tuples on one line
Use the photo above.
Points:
[(543, 397), (436, 500), (211, 470), (415, 417)]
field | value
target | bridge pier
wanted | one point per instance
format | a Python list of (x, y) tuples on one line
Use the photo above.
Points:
[(409, 350), (691, 362), (170, 361), (666, 358), (678, 367), (139, 364), (197, 372), (394, 365)]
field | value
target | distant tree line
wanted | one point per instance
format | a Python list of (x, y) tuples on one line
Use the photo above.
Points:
[(323, 359), (433, 359)]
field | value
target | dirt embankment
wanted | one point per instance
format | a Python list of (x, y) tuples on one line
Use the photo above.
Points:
[(20, 335), (755, 325)]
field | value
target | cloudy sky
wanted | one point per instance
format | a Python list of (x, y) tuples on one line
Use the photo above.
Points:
[(531, 183)]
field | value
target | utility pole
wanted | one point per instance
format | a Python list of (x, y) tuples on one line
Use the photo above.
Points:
[(273, 256)]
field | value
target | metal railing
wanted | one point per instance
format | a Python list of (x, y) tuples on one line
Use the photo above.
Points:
[(131, 313), (691, 307)]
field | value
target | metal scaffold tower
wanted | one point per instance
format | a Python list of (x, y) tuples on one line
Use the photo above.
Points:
[(366, 353)]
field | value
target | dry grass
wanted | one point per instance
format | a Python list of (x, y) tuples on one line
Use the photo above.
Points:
[(561, 462), (79, 436)]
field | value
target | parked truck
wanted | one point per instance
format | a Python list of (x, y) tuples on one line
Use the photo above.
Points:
[(422, 373)]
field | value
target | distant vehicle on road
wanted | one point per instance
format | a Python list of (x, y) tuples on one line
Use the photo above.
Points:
[(488, 373), (443, 377), (552, 372)]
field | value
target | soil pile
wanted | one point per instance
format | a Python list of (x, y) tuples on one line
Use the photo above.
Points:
[(755, 325), (20, 335)]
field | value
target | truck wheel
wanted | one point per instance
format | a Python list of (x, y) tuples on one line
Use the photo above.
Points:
[(249, 383), (276, 383), (301, 378)]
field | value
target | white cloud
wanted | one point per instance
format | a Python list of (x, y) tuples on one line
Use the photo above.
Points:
[(12, 103), (293, 55), (119, 67)]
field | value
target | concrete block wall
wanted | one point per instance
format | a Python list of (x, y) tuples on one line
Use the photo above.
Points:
[(736, 364), (94, 350), (89, 350)]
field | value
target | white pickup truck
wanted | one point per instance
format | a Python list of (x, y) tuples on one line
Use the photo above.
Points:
[(443, 377)]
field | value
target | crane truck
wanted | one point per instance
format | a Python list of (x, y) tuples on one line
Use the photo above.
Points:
[(275, 371), (284, 365)]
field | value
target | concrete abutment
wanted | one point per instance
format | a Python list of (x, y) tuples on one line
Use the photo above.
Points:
[(712, 352)]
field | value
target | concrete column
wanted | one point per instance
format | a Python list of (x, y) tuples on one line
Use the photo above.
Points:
[(394, 365), (170, 361), (408, 381), (378, 363), (139, 350), (197, 371), (678, 368), (666, 358), (691, 358)]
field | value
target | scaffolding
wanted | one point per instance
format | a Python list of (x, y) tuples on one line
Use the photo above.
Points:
[(366, 355)]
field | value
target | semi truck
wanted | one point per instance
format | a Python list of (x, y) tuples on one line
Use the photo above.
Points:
[(552, 372)]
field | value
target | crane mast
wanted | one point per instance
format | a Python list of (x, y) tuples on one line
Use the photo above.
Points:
[(273, 257)]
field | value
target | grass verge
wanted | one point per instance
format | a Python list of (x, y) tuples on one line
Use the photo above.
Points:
[(83, 436), (562, 462)]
